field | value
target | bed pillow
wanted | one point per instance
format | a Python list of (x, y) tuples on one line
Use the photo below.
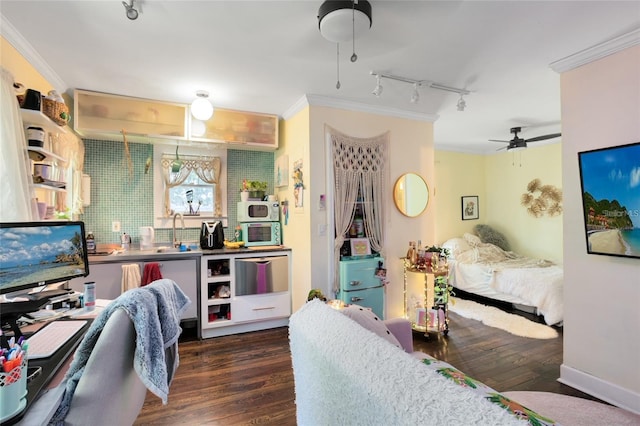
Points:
[(489, 235), (473, 240), (456, 246), (367, 319)]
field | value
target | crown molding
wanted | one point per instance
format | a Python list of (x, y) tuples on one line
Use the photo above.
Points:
[(327, 101), (9, 32), (596, 52)]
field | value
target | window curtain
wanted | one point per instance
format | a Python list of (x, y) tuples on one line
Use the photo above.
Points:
[(359, 165), (207, 168), (16, 192)]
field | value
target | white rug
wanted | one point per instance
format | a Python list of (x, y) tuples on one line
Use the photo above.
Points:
[(494, 317)]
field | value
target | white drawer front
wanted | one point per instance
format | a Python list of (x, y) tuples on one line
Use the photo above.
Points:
[(257, 307)]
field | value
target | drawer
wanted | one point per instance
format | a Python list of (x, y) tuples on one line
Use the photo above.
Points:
[(359, 274), (258, 307)]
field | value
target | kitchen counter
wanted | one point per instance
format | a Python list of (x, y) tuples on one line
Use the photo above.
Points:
[(170, 254)]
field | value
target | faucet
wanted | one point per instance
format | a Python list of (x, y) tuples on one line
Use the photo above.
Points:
[(175, 242)]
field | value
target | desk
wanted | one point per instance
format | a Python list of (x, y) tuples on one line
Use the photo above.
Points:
[(50, 366)]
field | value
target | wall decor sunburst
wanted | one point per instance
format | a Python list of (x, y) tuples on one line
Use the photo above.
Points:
[(542, 199)]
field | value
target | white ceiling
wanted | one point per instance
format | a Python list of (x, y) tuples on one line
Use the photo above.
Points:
[(264, 56)]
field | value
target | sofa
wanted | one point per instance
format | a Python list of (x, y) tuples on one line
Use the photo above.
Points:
[(352, 368)]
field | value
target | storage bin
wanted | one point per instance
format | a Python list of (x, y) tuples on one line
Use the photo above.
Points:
[(13, 391)]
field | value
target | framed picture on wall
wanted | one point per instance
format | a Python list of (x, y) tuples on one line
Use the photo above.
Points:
[(360, 247), (470, 209)]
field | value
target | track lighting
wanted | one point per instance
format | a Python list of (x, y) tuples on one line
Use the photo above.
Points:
[(132, 13), (378, 90), (415, 96), (461, 103), (201, 108)]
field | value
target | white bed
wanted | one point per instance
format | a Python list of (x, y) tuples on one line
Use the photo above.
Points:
[(486, 270)]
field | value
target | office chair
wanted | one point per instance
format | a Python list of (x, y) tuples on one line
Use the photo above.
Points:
[(110, 391)]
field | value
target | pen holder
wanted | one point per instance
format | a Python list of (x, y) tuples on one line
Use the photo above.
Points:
[(13, 391)]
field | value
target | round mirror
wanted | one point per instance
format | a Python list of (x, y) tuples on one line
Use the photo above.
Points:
[(411, 194)]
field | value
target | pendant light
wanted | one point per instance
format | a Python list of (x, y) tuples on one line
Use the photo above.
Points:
[(201, 108), (340, 21)]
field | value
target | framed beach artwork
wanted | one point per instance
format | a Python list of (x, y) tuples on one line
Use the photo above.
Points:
[(470, 207), (610, 189)]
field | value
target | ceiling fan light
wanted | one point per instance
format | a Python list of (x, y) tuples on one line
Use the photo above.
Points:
[(340, 21), (516, 148), (201, 108), (462, 104)]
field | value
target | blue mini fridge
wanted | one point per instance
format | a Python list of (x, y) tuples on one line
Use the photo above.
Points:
[(359, 284)]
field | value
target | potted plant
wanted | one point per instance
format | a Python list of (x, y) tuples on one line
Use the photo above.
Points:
[(442, 252), (255, 188)]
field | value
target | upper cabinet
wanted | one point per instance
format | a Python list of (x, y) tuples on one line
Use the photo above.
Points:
[(255, 130), (105, 116)]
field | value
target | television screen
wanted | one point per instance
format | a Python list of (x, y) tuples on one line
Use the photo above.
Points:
[(610, 179), (34, 254)]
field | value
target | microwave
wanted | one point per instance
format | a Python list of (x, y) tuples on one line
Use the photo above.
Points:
[(258, 211), (260, 233)]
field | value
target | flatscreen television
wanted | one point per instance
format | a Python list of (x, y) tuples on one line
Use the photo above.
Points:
[(34, 255), (610, 183)]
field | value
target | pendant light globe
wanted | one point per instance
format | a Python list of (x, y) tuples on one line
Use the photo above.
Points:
[(201, 108)]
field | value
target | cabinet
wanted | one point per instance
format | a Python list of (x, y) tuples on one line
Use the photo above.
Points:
[(426, 298), (237, 297), (104, 116), (255, 130), (108, 279), (360, 284)]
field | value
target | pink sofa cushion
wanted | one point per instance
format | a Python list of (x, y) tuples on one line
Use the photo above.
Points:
[(367, 319)]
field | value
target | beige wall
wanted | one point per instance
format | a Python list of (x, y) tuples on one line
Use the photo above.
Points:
[(499, 181), (457, 175), (294, 137), (600, 108), (23, 72), (411, 149), (507, 177)]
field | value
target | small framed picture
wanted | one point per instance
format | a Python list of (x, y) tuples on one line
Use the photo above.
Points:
[(470, 209), (360, 247)]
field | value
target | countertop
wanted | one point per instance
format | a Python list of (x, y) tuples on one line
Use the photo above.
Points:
[(134, 255)]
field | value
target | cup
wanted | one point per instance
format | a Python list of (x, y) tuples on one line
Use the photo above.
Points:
[(42, 210)]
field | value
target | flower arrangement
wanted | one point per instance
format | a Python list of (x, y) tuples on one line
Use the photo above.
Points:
[(253, 185)]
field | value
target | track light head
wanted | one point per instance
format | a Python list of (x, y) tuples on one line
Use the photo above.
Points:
[(378, 90), (131, 12), (415, 96)]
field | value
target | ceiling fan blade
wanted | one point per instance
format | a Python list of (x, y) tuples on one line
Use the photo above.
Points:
[(544, 137), (503, 148), (497, 140)]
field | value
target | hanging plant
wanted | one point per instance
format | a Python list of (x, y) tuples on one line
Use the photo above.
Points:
[(542, 199)]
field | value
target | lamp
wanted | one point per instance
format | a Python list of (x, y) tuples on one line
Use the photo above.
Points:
[(461, 103), (378, 89), (201, 108), (132, 13), (344, 20), (415, 97)]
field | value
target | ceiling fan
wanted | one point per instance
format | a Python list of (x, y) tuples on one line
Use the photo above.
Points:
[(517, 143)]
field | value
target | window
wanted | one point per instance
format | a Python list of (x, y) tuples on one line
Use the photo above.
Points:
[(193, 184)]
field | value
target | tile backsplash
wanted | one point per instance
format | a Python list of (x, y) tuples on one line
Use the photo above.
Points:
[(124, 194)]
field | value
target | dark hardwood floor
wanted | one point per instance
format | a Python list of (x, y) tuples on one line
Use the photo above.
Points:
[(247, 379)]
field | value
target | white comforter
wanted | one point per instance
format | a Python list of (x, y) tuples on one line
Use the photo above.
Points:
[(534, 282)]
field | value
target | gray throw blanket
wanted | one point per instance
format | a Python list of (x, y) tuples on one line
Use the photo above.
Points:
[(155, 311)]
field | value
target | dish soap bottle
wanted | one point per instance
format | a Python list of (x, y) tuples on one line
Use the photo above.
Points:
[(91, 243)]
